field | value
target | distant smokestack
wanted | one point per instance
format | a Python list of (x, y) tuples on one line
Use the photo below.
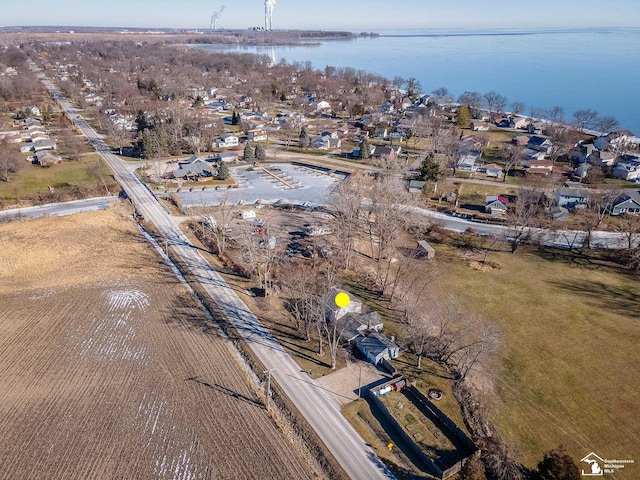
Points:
[(268, 13), (215, 17)]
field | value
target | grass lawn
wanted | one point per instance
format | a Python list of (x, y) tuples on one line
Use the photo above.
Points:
[(34, 179), (571, 337)]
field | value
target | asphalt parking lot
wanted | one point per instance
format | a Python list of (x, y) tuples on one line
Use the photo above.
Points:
[(287, 183)]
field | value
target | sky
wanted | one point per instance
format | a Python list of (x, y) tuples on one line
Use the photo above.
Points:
[(351, 15)]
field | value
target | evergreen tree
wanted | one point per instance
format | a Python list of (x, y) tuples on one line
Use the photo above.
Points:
[(261, 153), (235, 118), (223, 171), (463, 117), (365, 149), (557, 465), (141, 121), (304, 139), (430, 170), (249, 152)]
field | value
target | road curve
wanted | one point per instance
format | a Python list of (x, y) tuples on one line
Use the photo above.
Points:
[(321, 411)]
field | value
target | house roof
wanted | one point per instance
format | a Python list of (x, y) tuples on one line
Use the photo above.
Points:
[(569, 192), (537, 140), (376, 344), (195, 169), (359, 323), (630, 198)]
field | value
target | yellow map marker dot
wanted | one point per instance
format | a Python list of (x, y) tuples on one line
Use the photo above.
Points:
[(342, 299)]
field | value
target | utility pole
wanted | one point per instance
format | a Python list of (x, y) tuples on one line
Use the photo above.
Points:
[(267, 393), (360, 383)]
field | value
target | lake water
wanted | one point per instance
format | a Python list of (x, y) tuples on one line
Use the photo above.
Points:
[(575, 69)]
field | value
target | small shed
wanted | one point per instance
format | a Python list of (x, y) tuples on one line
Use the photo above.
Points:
[(426, 250)]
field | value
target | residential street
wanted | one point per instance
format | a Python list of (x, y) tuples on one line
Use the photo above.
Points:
[(320, 410), (57, 209)]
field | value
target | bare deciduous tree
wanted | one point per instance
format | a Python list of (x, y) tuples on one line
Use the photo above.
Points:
[(347, 200), (524, 217), (11, 161)]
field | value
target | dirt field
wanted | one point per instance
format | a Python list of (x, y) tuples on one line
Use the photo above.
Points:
[(109, 370)]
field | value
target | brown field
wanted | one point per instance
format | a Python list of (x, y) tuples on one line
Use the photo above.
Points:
[(108, 369)]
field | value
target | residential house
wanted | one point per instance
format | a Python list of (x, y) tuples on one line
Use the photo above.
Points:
[(628, 169), (226, 157), (518, 122), (26, 147), (520, 140), (628, 202), (539, 167), (46, 158), (360, 324), (325, 142), (333, 133), (541, 144), (530, 155), (386, 152), (30, 122), (380, 133), (387, 107), (479, 127), (257, 135), (31, 110), (572, 198), (535, 128), (494, 171), (496, 205), (322, 107), (470, 161), (333, 312), (604, 159), (43, 144), (581, 152), (376, 347), (620, 138), (227, 140), (416, 186), (11, 137)]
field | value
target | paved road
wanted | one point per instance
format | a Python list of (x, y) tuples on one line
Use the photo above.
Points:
[(57, 209), (552, 238), (321, 411)]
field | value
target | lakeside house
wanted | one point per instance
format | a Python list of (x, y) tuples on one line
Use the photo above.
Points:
[(627, 202), (628, 168)]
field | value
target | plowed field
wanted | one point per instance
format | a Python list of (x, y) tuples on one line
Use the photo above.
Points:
[(109, 370)]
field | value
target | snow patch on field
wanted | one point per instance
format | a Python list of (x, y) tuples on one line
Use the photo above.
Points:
[(46, 294), (125, 299), (173, 451), (114, 336)]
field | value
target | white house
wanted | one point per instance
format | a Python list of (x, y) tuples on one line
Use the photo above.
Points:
[(628, 169), (322, 106), (226, 141)]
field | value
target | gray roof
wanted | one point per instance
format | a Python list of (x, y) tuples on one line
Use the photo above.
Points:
[(359, 323), (196, 169), (376, 343)]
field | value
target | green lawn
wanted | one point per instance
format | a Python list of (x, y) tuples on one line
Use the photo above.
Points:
[(34, 180), (571, 337)]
